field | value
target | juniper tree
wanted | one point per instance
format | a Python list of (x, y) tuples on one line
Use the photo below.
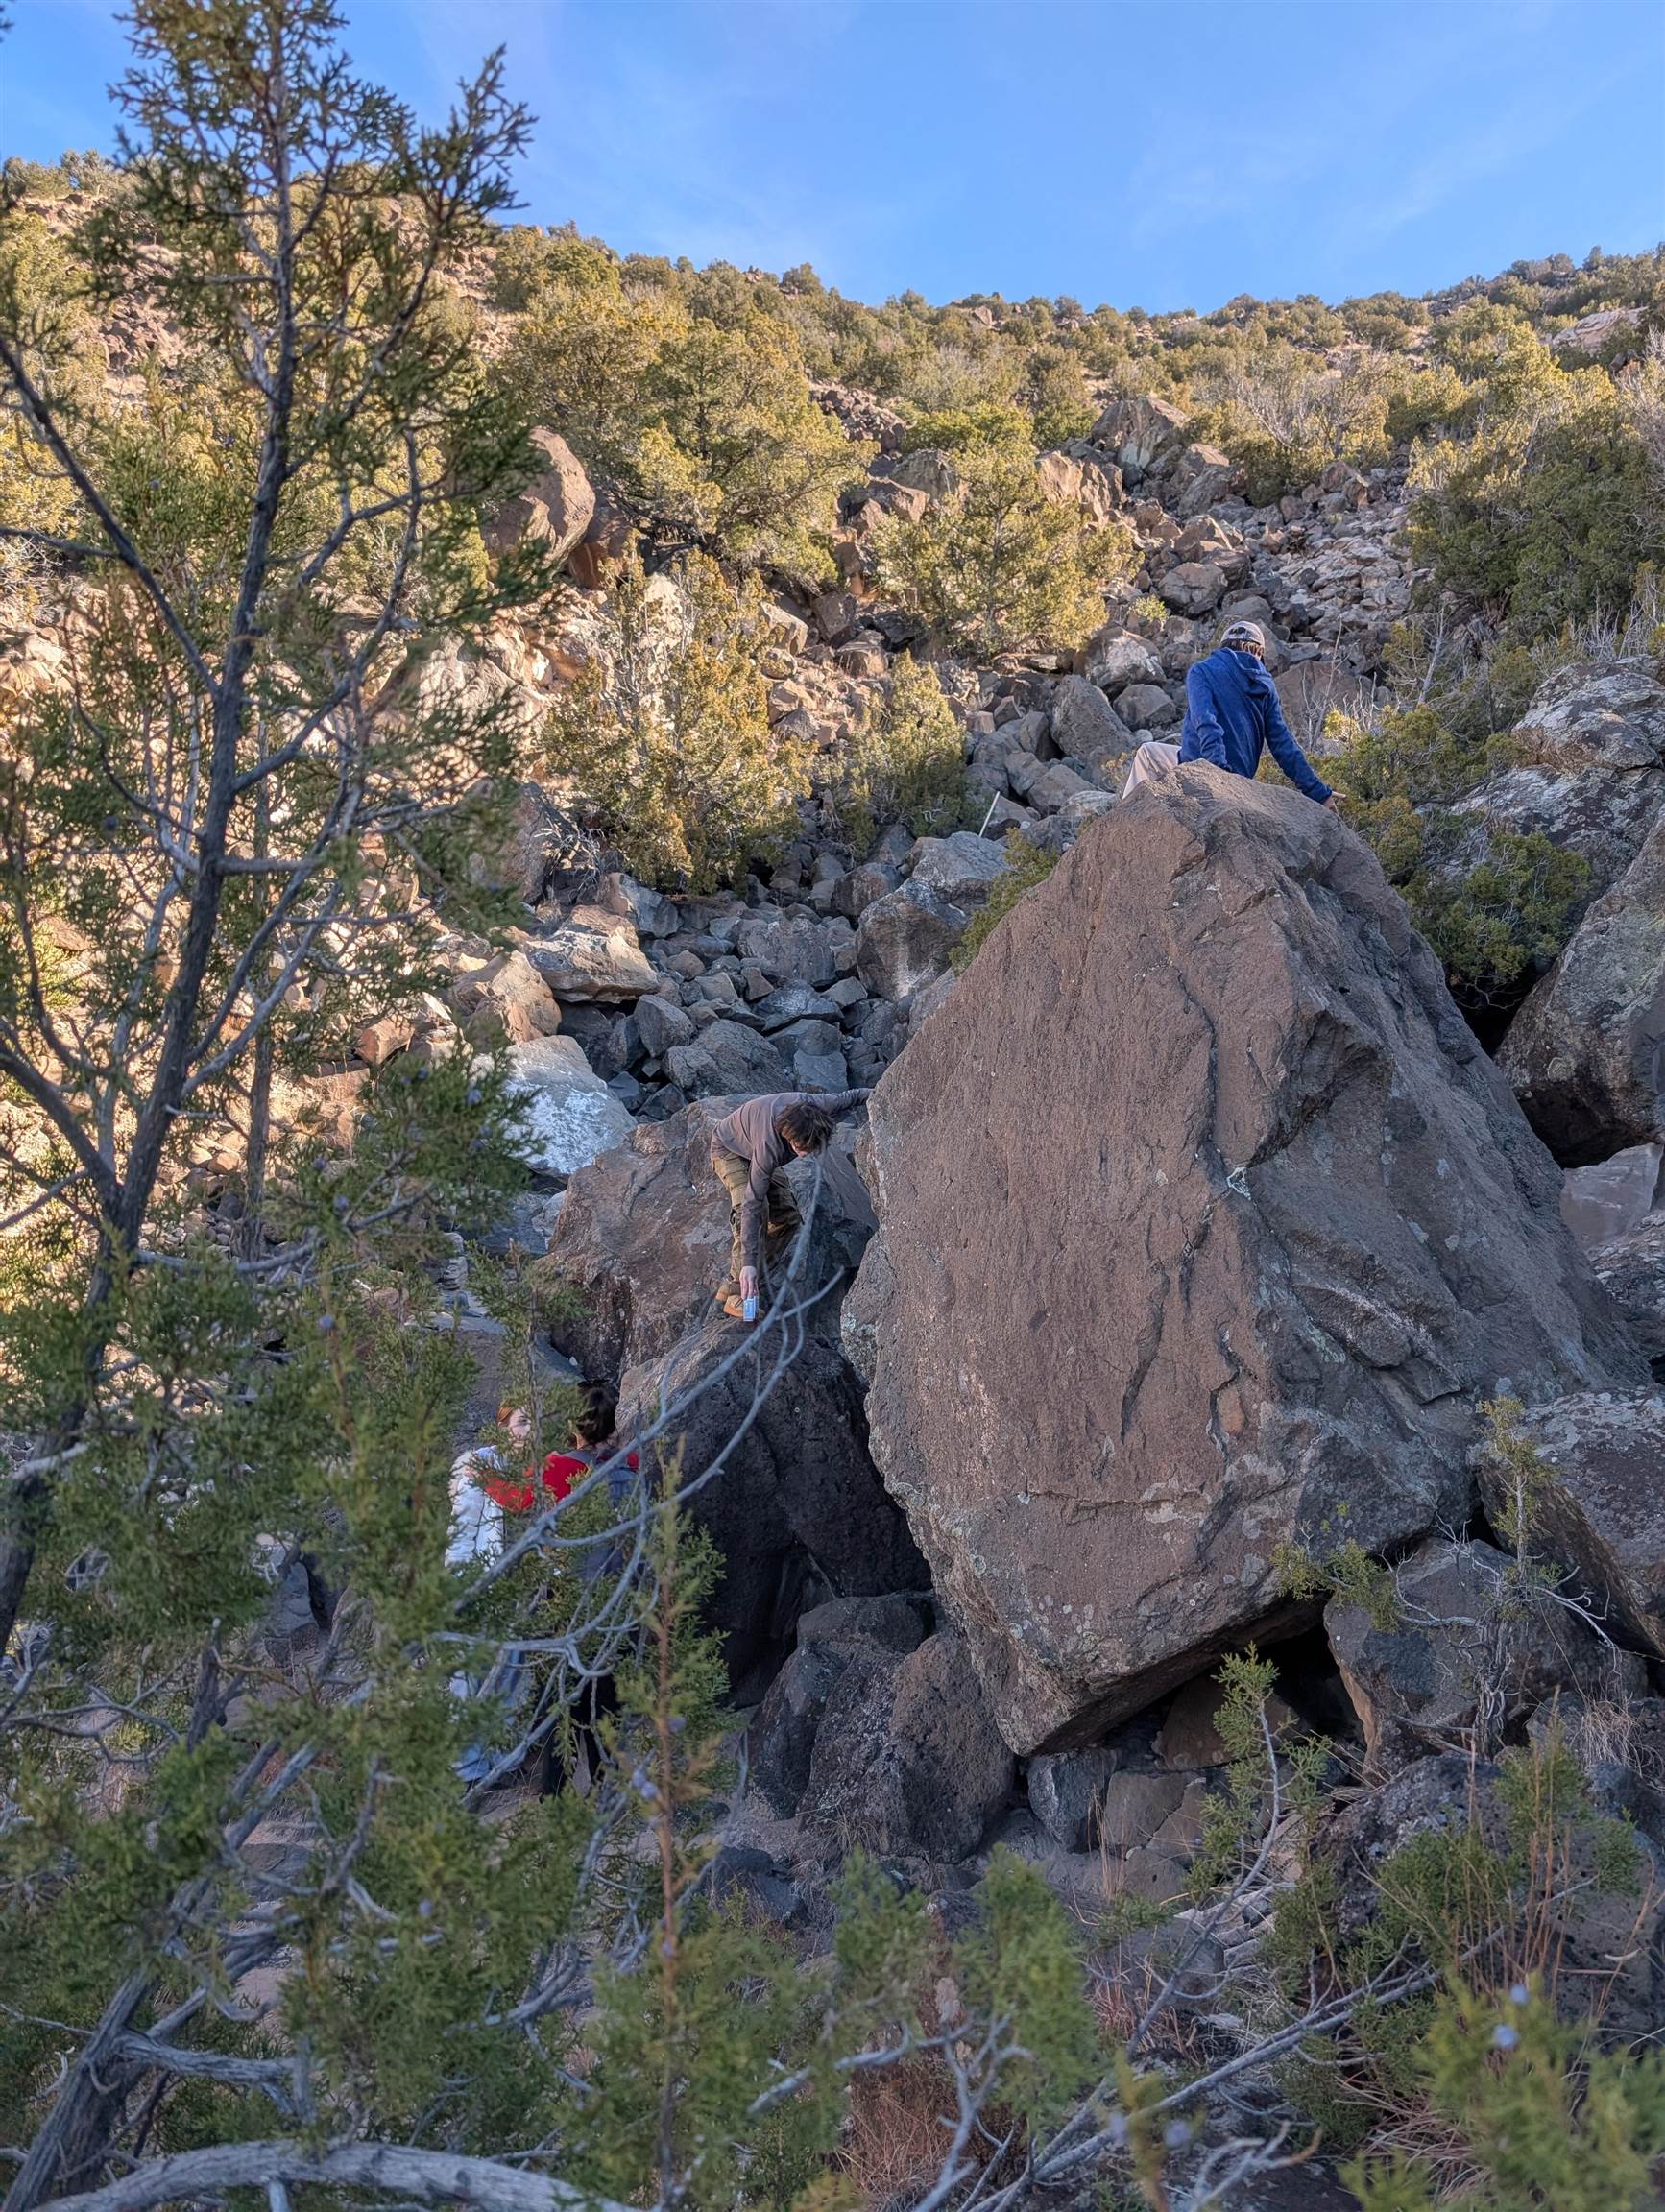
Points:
[(668, 730), (230, 835), (998, 568), (240, 815)]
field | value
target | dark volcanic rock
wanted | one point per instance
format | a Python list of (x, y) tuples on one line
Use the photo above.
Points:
[(1589, 773), (781, 1743), (1205, 1226), (795, 1506), (1472, 1651), (1596, 1501), (1603, 1934), (907, 1761), (1631, 1268), (1587, 1052)]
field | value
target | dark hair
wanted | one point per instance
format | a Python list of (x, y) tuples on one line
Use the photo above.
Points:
[(594, 1420), (806, 1126)]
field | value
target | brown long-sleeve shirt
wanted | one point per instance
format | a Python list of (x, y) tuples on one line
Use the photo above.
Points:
[(750, 1134)]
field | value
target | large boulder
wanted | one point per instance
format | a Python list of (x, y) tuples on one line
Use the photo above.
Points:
[(904, 940), (962, 869), (1084, 723), (928, 469), (1589, 773), (907, 1761), (1610, 1197), (1587, 1052), (641, 1241), (780, 1742), (1141, 433), (592, 957), (1631, 1270), (661, 1023), (1147, 707), (1465, 1651), (1202, 477), (1203, 1226), (724, 1057), (571, 1118), (506, 996), (556, 508), (1081, 479), (1067, 1793), (1598, 1924), (1594, 1502), (771, 1457), (1207, 539), (792, 1004), (1114, 663), (793, 946), (1193, 586)]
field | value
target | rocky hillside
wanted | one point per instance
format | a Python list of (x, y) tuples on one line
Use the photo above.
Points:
[(1177, 1577), (814, 975)]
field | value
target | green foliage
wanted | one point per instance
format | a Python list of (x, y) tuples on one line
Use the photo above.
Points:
[(1054, 392), (1348, 1573), (1502, 918), (1544, 2124), (1541, 505), (668, 735), (1022, 1963), (1509, 916), (697, 408), (970, 429), (907, 764), (684, 2040), (1001, 568), (1286, 417), (1519, 1472), (1235, 1821), (216, 1396), (38, 285), (1027, 865)]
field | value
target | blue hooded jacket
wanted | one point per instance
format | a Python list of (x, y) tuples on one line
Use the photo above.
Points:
[(1232, 714)]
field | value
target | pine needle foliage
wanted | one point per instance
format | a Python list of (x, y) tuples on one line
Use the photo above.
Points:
[(998, 568), (666, 732), (906, 763), (1543, 2120)]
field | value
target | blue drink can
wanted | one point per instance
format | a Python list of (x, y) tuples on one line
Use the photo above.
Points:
[(750, 1309)]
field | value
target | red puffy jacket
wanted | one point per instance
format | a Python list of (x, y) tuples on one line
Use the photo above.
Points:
[(560, 1471)]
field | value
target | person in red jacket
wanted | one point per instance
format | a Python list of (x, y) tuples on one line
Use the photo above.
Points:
[(590, 1428)]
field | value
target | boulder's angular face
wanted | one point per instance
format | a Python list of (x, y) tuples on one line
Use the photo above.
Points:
[(1589, 773), (1206, 1226), (775, 1469), (1595, 1502), (1587, 1052)]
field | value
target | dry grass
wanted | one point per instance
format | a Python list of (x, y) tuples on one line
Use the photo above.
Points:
[(894, 2135), (1121, 1995)]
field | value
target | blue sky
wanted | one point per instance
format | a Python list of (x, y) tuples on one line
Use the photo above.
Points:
[(1152, 152)]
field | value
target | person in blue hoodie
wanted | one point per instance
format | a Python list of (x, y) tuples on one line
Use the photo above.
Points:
[(1232, 716)]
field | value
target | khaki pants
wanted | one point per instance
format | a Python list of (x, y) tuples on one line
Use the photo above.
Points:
[(1150, 757), (784, 1216)]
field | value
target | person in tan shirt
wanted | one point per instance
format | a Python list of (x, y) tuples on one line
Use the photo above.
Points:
[(750, 1148)]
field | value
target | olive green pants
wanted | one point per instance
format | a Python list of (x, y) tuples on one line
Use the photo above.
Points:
[(784, 1219)]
